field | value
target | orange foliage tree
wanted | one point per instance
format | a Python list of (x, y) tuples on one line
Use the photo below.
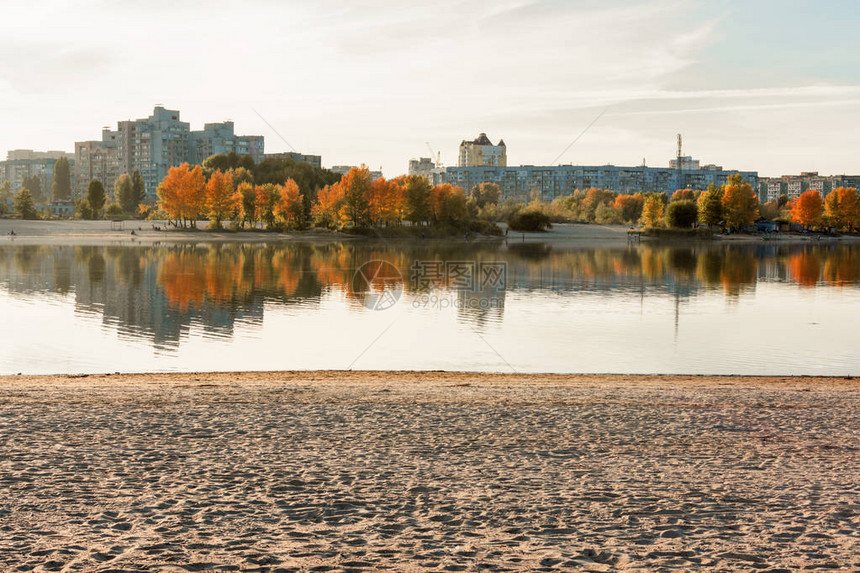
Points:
[(386, 202), (219, 197), (807, 209), (740, 203), (329, 209), (843, 208), (448, 204), (629, 207), (182, 194), (290, 206), (683, 195), (245, 203), (356, 190)]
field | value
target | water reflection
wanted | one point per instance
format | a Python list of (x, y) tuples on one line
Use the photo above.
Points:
[(161, 292)]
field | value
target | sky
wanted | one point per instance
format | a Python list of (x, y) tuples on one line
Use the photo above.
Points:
[(765, 85)]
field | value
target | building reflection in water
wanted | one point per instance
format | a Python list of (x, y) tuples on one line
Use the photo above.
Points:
[(161, 292)]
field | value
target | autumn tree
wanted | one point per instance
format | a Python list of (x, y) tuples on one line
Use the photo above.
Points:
[(629, 207), (123, 192), (740, 203), (290, 206), (683, 195), (95, 198), (710, 206), (447, 204), (328, 210), (245, 202), (219, 198), (652, 212), (843, 208), (61, 185), (807, 209), (356, 189), (386, 202), (485, 194), (266, 197)]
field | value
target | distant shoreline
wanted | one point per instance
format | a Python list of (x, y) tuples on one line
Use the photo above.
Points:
[(562, 235)]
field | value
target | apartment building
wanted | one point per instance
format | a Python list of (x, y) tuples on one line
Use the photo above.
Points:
[(481, 152)]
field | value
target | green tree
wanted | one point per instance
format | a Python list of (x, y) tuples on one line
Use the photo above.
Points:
[(82, 209), (711, 206), (123, 193), (114, 211), (138, 189), (681, 214), (417, 191), (25, 206), (61, 186), (34, 185), (96, 198)]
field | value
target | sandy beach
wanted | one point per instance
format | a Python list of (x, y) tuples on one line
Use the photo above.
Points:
[(323, 471)]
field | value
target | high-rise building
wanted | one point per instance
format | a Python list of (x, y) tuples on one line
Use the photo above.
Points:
[(97, 159), (153, 145), (482, 153), (23, 163), (218, 138)]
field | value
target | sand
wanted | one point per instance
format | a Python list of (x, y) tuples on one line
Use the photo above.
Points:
[(435, 471)]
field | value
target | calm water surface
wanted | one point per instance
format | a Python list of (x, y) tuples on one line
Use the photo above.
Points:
[(763, 309)]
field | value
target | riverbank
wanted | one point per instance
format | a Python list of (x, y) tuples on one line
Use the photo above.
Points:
[(423, 471), (561, 235)]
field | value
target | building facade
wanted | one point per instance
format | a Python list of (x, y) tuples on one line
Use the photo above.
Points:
[(314, 160), (220, 138), (481, 152), (153, 145), (793, 186), (23, 163), (425, 167), (97, 159), (549, 182), (344, 169)]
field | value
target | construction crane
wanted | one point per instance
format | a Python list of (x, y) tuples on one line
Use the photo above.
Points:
[(433, 154)]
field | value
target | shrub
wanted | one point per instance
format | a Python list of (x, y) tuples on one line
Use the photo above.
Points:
[(529, 221), (681, 214)]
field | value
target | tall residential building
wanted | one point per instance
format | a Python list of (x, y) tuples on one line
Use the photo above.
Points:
[(482, 153), (218, 138), (98, 159), (154, 144), (22, 163)]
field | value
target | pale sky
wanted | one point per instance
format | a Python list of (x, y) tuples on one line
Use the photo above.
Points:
[(766, 85)]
